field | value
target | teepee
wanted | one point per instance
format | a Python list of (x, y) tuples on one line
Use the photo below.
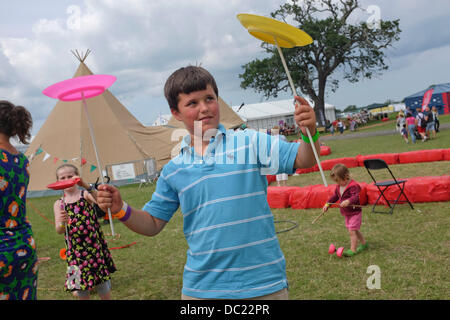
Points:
[(64, 138), (120, 137)]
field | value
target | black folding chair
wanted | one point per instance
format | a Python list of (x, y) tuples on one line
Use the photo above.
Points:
[(377, 164)]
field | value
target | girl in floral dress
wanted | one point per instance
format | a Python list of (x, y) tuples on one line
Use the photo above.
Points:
[(18, 260), (88, 258)]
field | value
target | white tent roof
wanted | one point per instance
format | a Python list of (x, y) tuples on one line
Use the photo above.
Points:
[(270, 109)]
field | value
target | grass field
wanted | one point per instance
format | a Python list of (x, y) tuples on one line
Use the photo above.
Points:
[(410, 247)]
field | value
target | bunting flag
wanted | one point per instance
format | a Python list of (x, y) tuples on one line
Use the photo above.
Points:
[(56, 159)]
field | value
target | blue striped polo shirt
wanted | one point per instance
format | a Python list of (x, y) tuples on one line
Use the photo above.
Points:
[(233, 252)]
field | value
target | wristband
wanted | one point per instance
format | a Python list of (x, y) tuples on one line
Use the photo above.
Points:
[(124, 213), (327, 205), (315, 137)]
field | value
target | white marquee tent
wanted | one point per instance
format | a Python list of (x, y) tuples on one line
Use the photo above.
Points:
[(266, 115)]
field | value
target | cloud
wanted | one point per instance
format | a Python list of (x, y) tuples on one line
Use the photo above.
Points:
[(139, 41), (142, 42)]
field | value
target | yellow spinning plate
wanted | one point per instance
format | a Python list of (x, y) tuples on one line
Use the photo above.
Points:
[(282, 35), (267, 30)]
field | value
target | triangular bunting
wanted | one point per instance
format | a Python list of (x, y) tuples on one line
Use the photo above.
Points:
[(93, 167)]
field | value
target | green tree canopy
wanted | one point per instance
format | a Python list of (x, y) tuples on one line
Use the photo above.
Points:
[(356, 49)]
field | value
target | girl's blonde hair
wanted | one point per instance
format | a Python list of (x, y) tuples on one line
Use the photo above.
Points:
[(340, 171), (67, 165)]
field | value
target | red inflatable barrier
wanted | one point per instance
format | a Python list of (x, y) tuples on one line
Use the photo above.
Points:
[(428, 189), (350, 162), (417, 189), (446, 154), (299, 198), (420, 156), (319, 194), (278, 197), (307, 170), (325, 150), (389, 158), (271, 178), (363, 194)]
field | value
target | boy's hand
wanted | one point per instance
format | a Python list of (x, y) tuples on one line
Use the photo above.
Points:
[(109, 197), (345, 203), (304, 116)]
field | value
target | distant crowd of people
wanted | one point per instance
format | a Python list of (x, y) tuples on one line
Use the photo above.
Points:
[(350, 122), (420, 124)]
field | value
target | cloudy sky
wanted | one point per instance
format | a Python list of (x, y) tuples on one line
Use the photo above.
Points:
[(142, 42)]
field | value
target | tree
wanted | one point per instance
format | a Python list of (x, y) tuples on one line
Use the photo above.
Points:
[(351, 108), (357, 50)]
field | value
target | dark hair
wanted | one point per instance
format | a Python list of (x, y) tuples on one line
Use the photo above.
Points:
[(15, 120), (186, 80)]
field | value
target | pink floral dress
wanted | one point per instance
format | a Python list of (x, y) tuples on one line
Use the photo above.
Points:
[(88, 257)]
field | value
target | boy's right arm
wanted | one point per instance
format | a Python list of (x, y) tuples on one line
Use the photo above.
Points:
[(139, 221)]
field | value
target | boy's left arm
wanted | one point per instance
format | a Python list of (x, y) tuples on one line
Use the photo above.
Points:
[(305, 117)]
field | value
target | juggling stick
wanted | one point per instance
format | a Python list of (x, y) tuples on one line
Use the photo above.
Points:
[(280, 34), (321, 215), (82, 88), (318, 217)]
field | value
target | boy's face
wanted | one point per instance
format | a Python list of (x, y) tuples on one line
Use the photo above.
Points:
[(200, 108)]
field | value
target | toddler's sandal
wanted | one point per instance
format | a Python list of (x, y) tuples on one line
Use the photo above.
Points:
[(349, 253)]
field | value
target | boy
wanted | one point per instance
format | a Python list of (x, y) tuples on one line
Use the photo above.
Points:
[(216, 180)]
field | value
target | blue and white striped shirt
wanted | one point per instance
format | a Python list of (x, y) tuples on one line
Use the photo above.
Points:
[(233, 250)]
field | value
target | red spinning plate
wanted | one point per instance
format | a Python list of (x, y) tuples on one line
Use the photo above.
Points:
[(64, 184)]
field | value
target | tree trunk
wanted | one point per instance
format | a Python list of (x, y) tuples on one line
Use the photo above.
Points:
[(319, 103)]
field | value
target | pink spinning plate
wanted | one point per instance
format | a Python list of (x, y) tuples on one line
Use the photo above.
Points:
[(74, 89)]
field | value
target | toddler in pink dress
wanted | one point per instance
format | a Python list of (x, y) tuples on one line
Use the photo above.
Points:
[(347, 195)]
